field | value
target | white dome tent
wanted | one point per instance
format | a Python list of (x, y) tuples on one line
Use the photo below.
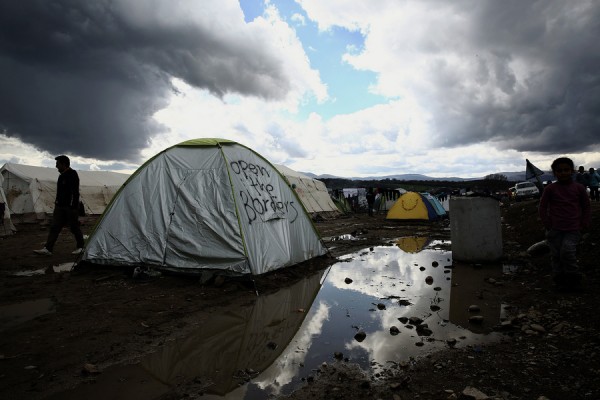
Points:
[(205, 204)]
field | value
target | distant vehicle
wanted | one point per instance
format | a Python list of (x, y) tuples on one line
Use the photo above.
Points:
[(526, 190)]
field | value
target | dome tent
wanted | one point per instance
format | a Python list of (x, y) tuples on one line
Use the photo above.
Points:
[(436, 204), (205, 204), (413, 206)]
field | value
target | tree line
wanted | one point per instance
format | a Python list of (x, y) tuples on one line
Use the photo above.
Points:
[(492, 182)]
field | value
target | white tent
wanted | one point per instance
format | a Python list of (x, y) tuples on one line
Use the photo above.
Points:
[(205, 204), (6, 225), (312, 192), (31, 190)]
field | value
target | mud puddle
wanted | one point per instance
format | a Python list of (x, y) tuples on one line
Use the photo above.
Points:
[(15, 314), (380, 307)]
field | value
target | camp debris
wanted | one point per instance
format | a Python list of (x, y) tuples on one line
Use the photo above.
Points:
[(416, 206), (205, 204)]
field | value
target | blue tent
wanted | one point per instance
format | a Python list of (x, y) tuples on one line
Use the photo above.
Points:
[(437, 205)]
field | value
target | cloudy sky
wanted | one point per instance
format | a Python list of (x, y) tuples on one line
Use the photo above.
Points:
[(350, 88)]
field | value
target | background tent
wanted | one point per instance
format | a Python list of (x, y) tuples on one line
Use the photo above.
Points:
[(205, 204), (341, 202), (312, 192), (412, 206), (31, 191), (357, 198), (437, 205), (388, 198), (6, 225)]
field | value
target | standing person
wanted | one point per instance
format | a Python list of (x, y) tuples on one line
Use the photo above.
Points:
[(581, 176), (564, 210), (370, 200), (593, 183), (378, 200), (66, 207)]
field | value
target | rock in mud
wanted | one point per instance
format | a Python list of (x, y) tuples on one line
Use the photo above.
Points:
[(472, 393)]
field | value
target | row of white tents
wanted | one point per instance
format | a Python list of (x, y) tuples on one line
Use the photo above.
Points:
[(28, 192)]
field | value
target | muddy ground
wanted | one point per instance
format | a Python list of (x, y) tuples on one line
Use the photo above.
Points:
[(103, 317)]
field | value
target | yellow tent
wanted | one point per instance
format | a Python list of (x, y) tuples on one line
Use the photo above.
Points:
[(412, 205)]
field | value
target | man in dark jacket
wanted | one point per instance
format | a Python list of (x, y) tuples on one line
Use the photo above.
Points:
[(370, 200), (581, 176), (66, 207)]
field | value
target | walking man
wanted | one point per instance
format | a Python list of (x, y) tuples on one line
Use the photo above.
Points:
[(66, 207)]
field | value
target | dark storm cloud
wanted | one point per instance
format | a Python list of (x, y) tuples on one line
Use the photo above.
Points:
[(85, 77), (534, 82)]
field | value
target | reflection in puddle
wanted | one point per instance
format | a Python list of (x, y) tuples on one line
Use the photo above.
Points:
[(415, 288), (15, 314), (342, 237), (65, 267), (30, 272), (402, 304), (413, 244), (219, 357), (470, 305)]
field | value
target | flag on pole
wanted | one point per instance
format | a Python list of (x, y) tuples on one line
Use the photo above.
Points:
[(531, 171)]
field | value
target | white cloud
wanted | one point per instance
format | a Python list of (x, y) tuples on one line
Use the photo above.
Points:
[(473, 80), (299, 19), (466, 96)]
